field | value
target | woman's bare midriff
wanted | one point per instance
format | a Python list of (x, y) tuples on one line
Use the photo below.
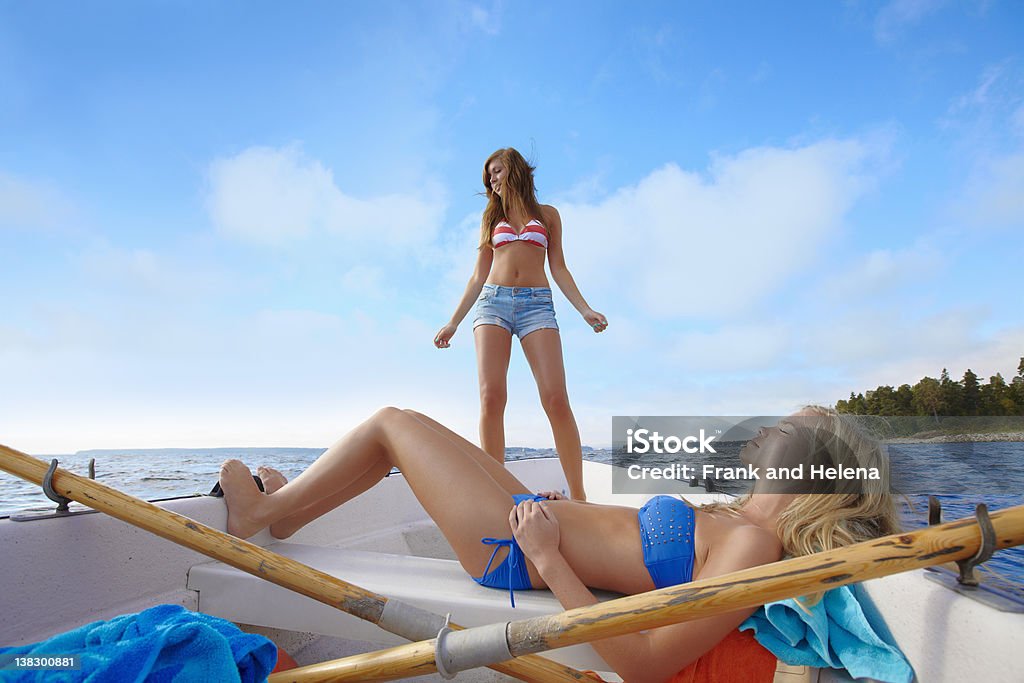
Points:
[(602, 545), (518, 265)]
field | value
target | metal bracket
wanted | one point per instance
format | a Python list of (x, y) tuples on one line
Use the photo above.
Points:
[(62, 502), (934, 511), (985, 549), (966, 583), (440, 649)]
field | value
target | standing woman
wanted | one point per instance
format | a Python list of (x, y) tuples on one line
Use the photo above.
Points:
[(513, 297)]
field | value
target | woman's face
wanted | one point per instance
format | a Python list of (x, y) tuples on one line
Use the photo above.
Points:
[(775, 446), (497, 173), (787, 445)]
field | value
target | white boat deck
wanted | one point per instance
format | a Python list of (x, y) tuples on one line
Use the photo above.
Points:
[(65, 572), (439, 586)]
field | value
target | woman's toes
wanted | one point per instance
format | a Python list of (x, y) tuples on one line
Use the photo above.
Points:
[(273, 480), (241, 495)]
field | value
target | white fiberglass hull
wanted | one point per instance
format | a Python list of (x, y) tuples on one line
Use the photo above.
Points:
[(64, 572)]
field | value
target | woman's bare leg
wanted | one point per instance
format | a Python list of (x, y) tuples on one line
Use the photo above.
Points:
[(543, 350), (289, 525), (273, 480), (455, 488), (493, 351), (497, 470)]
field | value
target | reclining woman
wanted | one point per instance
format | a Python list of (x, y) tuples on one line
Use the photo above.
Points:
[(572, 546)]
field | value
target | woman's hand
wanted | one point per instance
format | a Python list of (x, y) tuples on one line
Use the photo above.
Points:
[(535, 529), (552, 495), (442, 338), (597, 321)]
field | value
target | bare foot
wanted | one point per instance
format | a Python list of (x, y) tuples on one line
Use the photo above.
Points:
[(272, 479), (242, 496)]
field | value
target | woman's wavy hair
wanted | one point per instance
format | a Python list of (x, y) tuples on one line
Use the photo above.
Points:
[(840, 514), (519, 195)]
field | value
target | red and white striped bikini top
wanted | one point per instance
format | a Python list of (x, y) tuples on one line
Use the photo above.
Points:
[(533, 233)]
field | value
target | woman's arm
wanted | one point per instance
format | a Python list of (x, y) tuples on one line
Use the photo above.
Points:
[(560, 272), (484, 258), (658, 654)]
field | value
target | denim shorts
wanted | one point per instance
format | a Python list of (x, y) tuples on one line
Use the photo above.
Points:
[(520, 310)]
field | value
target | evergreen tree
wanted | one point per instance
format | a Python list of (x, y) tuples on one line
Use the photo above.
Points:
[(1017, 393), (854, 406), (952, 395), (942, 396), (881, 401), (971, 401), (996, 397), (905, 400), (928, 397)]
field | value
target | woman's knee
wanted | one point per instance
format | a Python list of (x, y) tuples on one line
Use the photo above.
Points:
[(413, 413), (493, 400), (387, 415), (555, 404)]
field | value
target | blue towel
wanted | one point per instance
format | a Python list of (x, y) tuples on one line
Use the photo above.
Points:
[(842, 631), (163, 643)]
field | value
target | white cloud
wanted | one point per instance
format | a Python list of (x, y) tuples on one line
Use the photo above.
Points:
[(32, 206), (982, 96), (138, 271), (990, 122), (957, 351), (995, 193), (681, 244), (275, 196), (486, 19), (870, 335), (586, 189), (1017, 121), (733, 348), (990, 117), (366, 281), (881, 272), (900, 14)]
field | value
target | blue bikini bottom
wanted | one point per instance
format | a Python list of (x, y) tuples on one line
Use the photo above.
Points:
[(511, 572), (666, 532)]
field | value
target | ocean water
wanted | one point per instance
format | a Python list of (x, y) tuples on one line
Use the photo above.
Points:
[(977, 469)]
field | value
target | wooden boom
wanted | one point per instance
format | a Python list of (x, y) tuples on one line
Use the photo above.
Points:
[(743, 589)]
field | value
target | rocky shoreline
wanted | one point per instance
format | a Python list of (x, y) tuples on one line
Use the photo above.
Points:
[(958, 438)]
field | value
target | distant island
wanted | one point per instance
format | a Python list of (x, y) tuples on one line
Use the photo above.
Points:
[(226, 452), (943, 410)]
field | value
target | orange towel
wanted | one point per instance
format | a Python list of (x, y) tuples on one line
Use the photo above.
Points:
[(739, 658), (284, 662)]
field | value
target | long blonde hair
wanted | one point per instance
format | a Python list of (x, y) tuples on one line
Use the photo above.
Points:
[(825, 520), (519, 194)]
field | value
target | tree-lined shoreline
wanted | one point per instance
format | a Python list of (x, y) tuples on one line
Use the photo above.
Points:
[(943, 410), (942, 397)]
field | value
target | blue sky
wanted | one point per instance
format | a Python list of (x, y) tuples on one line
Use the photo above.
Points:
[(242, 223)]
